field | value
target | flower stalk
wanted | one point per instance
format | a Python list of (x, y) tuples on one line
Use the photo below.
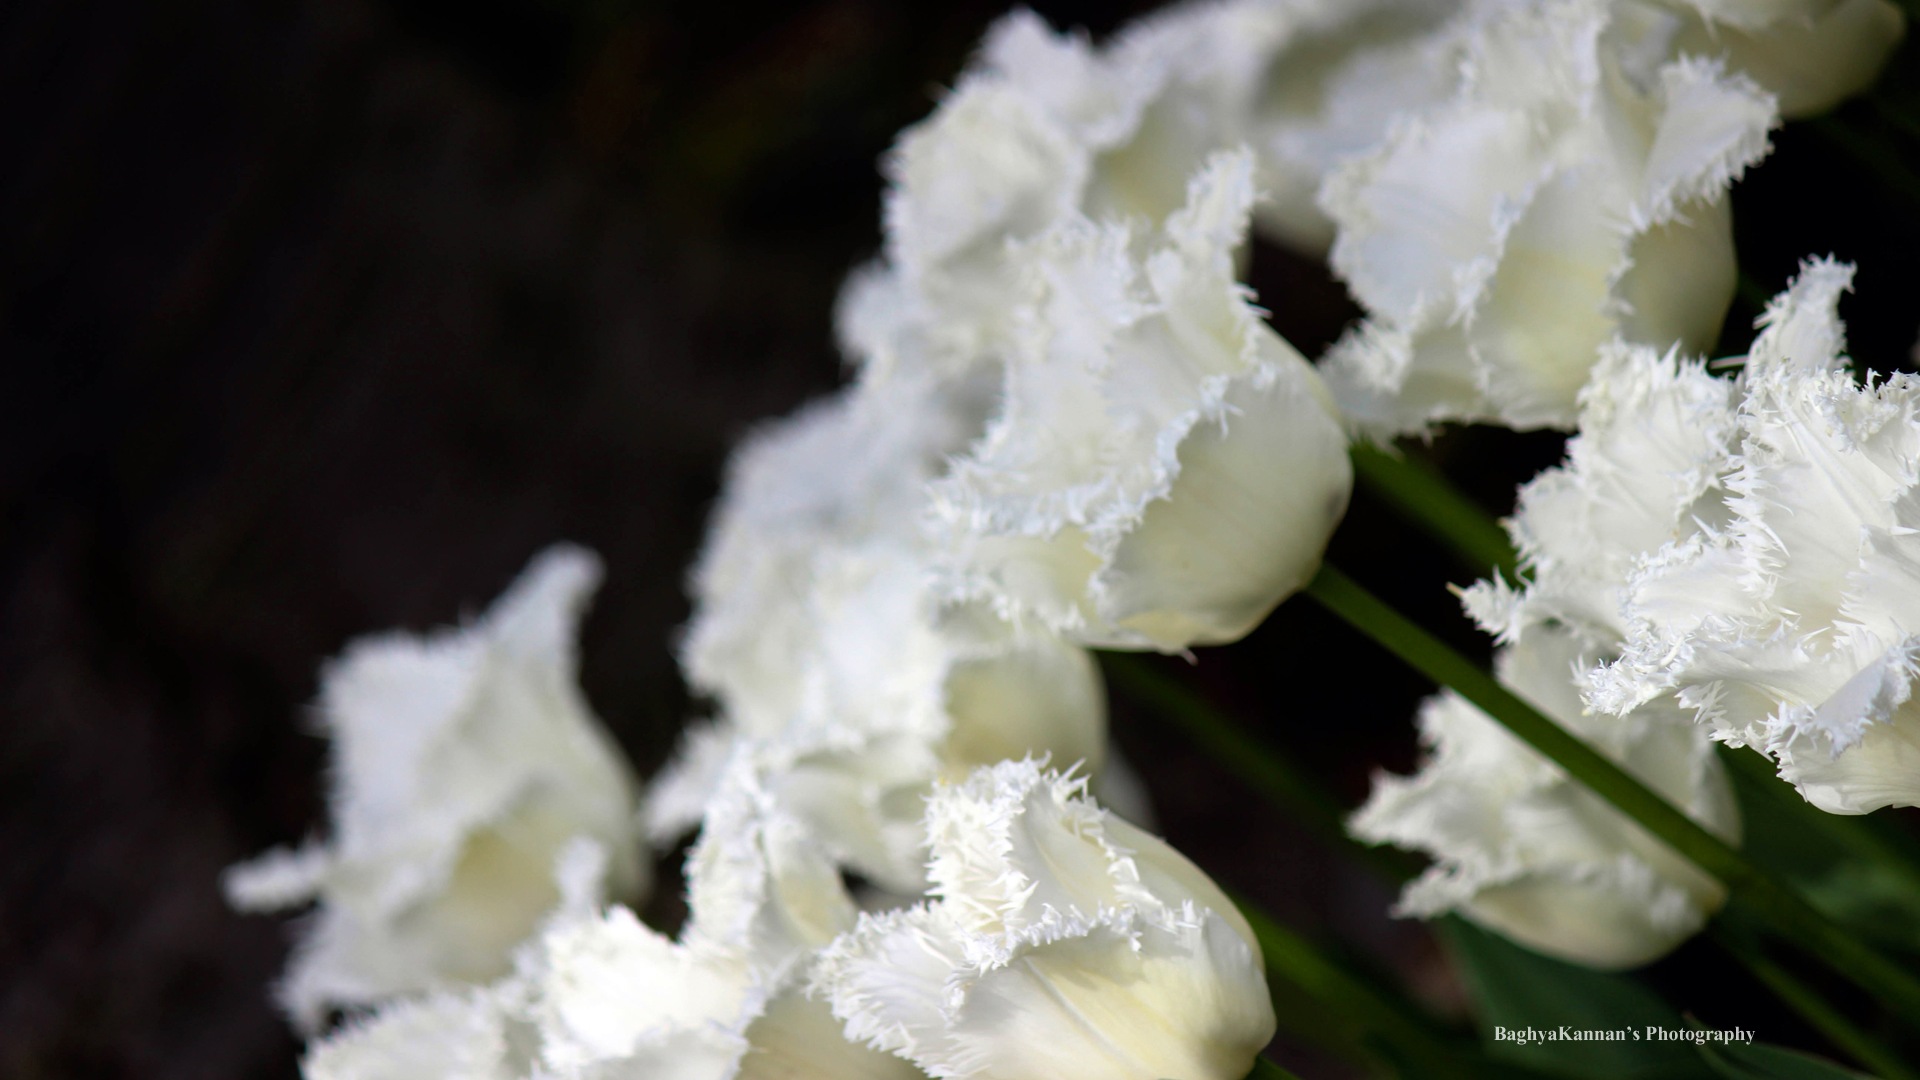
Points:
[(1422, 496), (1267, 1070)]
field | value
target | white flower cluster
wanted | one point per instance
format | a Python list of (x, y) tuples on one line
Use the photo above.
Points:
[(1071, 427), (1063, 942), (597, 994)]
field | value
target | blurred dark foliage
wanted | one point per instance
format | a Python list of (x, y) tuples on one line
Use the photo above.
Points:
[(318, 318)]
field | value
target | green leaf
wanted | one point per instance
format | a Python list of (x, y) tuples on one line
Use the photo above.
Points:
[(1518, 989), (1760, 1062)]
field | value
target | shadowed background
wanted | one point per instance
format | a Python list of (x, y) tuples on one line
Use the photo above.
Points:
[(319, 318)]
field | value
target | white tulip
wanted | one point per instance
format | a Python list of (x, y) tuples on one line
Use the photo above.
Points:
[(1519, 847), (1043, 128), (836, 669), (1062, 942), (463, 762), (1164, 468), (1788, 627), (1570, 192), (1524, 850)]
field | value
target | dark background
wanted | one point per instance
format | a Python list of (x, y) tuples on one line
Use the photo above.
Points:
[(318, 318)]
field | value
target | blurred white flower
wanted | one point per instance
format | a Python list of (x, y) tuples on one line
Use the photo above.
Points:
[(1063, 942), (463, 762), (1524, 850), (818, 633), (1164, 468), (1811, 54), (1010, 150), (1571, 191), (606, 996), (1790, 627), (600, 996), (448, 1035)]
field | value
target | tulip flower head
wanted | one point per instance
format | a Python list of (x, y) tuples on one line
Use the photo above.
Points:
[(1567, 194), (1164, 468), (1529, 852), (463, 762), (1787, 626), (1061, 941)]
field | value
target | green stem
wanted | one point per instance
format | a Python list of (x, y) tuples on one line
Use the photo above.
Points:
[(1860, 836), (1748, 885), (1420, 494), (1267, 1070), (1824, 1018), (1399, 1028), (1264, 771)]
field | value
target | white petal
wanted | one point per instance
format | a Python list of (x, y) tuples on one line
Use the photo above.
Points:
[(609, 988), (1121, 998), (887, 981), (758, 882), (798, 1038), (1337, 78), (1801, 328), (445, 1036)]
